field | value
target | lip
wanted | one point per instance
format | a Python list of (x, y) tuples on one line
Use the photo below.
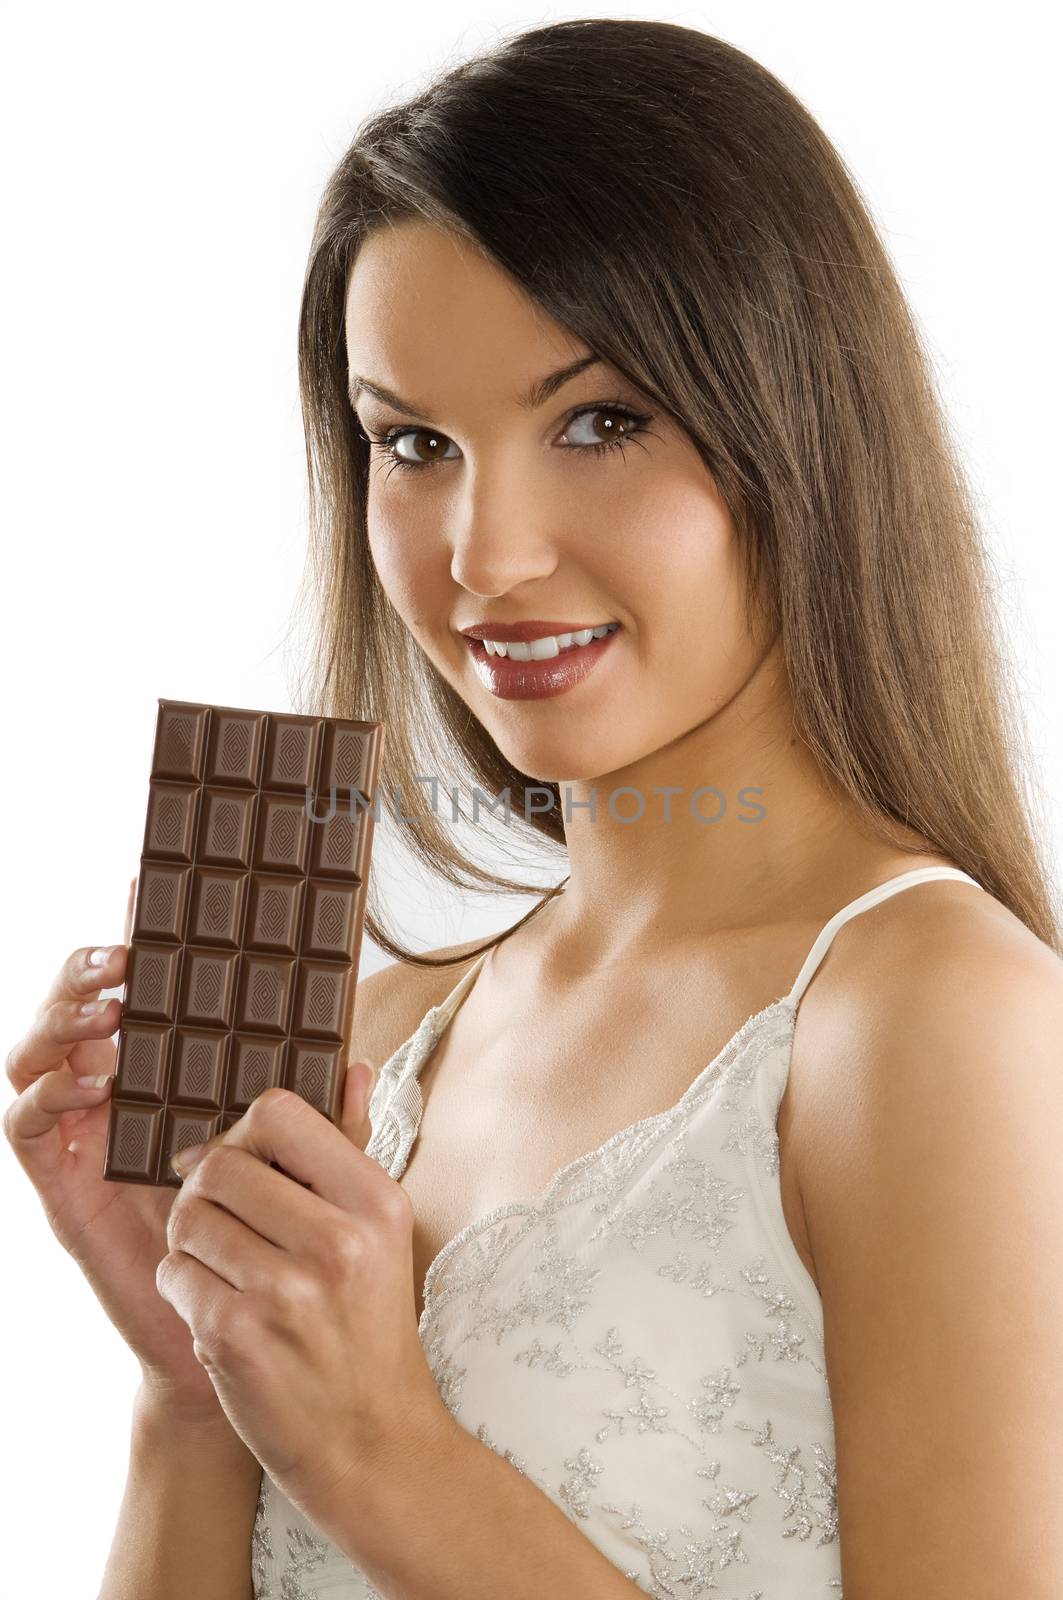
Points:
[(504, 632), (537, 680)]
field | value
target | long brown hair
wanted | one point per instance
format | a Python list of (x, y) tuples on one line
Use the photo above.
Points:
[(671, 202)]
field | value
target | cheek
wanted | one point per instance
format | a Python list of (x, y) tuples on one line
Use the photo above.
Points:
[(683, 572), (411, 569), (678, 549)]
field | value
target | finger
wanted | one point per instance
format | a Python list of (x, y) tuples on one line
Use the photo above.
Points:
[(130, 905), (64, 1033), (357, 1092), (31, 1121), (280, 1126), (196, 1293), (210, 1234), (85, 972), (284, 1213)]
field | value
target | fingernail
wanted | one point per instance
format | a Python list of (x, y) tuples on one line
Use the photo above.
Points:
[(94, 1083), (99, 958), (183, 1162), (90, 1006)]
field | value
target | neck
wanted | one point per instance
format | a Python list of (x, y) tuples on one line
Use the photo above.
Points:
[(755, 835)]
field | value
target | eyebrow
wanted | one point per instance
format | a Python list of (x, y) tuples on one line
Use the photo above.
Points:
[(539, 393)]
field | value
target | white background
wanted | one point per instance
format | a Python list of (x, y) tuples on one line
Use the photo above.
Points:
[(162, 167)]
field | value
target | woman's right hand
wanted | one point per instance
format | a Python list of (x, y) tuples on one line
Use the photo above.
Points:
[(116, 1232)]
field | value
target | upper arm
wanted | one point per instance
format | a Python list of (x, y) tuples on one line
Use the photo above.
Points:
[(934, 1197)]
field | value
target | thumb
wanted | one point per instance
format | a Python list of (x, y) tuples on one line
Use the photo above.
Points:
[(130, 906), (357, 1091)]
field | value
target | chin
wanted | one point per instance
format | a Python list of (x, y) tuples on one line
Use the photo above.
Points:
[(557, 766)]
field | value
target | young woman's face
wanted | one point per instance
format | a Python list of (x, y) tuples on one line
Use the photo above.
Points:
[(484, 510)]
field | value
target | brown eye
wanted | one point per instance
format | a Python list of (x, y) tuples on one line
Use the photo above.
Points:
[(427, 446), (617, 426), (434, 445)]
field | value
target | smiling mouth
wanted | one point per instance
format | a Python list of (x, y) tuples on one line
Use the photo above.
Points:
[(546, 649)]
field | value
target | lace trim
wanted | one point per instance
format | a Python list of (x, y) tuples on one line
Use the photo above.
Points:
[(397, 1120)]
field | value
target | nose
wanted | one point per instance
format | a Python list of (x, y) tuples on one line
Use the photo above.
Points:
[(502, 539)]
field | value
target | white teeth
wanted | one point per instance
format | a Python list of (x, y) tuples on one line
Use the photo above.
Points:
[(552, 645)]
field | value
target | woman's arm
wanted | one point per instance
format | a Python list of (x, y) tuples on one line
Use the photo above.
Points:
[(933, 1189), (442, 1516), (185, 1523)]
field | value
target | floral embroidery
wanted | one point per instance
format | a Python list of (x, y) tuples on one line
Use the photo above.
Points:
[(305, 1552), (720, 1394), (689, 1569), (507, 1455), (261, 1547), (575, 1490), (791, 1485)]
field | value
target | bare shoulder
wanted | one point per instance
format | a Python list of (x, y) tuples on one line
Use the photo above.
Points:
[(938, 980), (390, 1003), (941, 1005), (933, 1195)]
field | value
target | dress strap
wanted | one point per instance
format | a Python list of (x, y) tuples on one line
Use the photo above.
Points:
[(864, 902), (905, 880), (446, 1008)]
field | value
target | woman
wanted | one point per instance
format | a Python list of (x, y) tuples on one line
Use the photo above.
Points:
[(634, 503)]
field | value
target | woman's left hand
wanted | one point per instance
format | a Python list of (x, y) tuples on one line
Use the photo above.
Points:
[(301, 1299)]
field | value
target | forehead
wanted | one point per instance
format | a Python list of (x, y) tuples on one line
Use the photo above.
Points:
[(425, 308)]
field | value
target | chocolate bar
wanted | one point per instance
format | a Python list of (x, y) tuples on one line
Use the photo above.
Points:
[(247, 925)]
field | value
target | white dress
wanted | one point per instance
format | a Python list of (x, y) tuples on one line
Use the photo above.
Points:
[(645, 1343)]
